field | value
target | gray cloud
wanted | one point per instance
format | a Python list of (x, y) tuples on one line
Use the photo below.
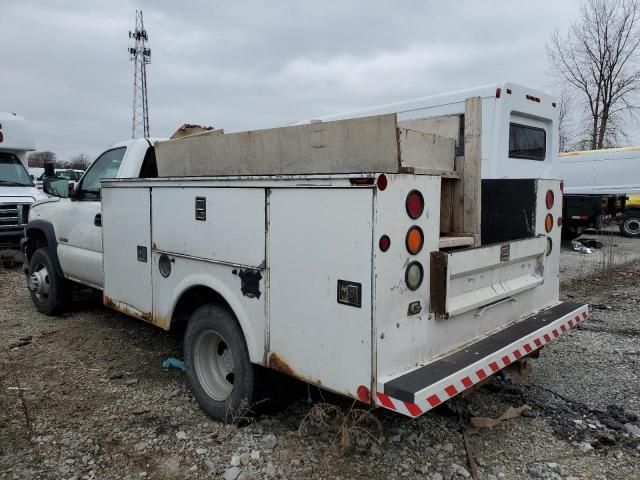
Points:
[(241, 65)]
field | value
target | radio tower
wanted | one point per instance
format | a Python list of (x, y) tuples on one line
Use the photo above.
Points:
[(140, 55)]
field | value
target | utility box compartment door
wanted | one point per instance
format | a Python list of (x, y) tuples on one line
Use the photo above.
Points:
[(224, 225), (126, 239), (320, 254)]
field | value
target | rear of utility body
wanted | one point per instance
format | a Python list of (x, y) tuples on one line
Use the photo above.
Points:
[(329, 286)]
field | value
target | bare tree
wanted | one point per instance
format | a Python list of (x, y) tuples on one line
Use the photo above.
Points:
[(598, 60), (565, 124), (38, 159), (81, 161)]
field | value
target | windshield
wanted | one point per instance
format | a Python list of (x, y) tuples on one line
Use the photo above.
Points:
[(12, 172)]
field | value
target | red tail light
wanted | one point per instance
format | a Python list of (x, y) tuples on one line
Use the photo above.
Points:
[(384, 243), (550, 198), (562, 186), (498, 91), (415, 204), (382, 182), (362, 181)]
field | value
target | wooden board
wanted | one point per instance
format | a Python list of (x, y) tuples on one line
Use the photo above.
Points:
[(421, 151), (472, 162), (366, 144), (457, 241), (446, 126)]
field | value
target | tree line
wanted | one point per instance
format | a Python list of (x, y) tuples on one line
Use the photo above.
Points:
[(80, 161)]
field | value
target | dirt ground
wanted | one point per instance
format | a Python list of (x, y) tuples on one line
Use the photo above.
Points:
[(86, 397)]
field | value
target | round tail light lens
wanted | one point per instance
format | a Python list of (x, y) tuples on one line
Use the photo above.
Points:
[(384, 243), (415, 204), (550, 198), (414, 275), (549, 245), (548, 222), (414, 240), (382, 182), (364, 395)]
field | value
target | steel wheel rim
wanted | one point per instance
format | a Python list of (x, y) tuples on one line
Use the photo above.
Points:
[(40, 282), (633, 226), (214, 366)]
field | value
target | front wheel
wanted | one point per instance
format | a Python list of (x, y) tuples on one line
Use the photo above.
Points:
[(218, 366), (631, 226), (50, 293)]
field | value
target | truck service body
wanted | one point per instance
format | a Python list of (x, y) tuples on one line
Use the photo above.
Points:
[(336, 252), (17, 190)]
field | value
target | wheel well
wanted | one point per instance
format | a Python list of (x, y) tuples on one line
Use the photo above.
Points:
[(190, 300), (37, 239)]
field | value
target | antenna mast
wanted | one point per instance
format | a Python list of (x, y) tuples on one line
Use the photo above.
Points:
[(140, 55)]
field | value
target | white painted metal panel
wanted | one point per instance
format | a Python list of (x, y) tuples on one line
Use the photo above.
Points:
[(401, 338), (317, 237), (126, 228), (187, 273), (233, 231), (478, 277)]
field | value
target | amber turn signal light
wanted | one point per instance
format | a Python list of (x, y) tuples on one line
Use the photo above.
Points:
[(548, 222), (414, 240)]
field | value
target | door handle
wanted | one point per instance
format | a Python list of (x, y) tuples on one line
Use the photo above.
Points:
[(97, 221)]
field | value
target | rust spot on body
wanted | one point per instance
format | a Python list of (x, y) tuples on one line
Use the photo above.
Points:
[(280, 365)]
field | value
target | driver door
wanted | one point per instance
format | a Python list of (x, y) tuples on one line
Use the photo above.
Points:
[(80, 229)]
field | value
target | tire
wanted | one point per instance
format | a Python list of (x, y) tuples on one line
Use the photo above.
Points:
[(219, 371), (50, 293), (631, 226)]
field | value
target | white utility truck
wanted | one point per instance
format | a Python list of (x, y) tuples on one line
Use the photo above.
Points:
[(596, 185), (366, 255), (17, 190)]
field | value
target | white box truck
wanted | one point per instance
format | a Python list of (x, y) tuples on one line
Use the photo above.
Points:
[(17, 190), (366, 256)]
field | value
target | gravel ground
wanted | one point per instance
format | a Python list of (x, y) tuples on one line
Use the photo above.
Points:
[(87, 398)]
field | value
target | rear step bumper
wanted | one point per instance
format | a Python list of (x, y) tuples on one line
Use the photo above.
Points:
[(420, 390)]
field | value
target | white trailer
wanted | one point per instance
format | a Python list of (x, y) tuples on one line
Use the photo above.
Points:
[(353, 255)]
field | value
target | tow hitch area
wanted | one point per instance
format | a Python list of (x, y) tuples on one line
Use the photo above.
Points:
[(420, 390)]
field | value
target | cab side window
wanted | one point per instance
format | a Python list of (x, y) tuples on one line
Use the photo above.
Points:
[(105, 166)]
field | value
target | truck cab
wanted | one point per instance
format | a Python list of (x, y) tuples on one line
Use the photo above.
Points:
[(71, 220), (17, 190)]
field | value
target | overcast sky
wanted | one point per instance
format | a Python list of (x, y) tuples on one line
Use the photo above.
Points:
[(242, 65)]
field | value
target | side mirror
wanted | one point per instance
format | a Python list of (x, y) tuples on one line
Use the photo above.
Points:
[(58, 187)]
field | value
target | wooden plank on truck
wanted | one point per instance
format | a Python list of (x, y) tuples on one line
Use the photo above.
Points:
[(355, 145), (423, 151), (472, 162), (445, 126)]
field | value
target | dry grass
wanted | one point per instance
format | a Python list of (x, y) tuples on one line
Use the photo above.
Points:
[(611, 257), (345, 429)]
